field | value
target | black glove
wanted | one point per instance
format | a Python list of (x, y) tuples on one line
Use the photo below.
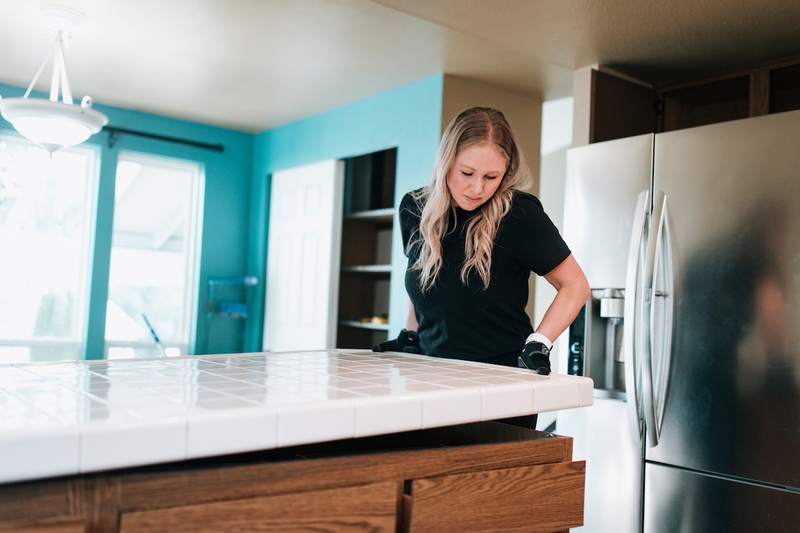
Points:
[(407, 341), (535, 356)]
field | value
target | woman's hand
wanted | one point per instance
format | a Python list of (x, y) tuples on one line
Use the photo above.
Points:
[(535, 356), (406, 341)]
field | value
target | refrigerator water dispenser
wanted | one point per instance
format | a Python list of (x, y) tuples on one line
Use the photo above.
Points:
[(595, 340)]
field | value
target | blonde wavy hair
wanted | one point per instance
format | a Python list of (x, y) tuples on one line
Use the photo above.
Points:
[(472, 126)]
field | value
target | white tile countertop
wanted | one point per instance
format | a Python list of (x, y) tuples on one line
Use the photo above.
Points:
[(86, 416)]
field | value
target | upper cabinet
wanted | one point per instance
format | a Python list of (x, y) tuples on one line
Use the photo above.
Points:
[(621, 106)]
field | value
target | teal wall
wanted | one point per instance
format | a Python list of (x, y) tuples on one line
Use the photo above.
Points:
[(408, 118), (225, 221), (237, 186)]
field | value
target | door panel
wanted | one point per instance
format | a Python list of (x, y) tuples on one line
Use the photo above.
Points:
[(680, 501), (303, 257), (733, 399)]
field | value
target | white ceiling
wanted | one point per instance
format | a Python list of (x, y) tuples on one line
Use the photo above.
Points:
[(256, 64)]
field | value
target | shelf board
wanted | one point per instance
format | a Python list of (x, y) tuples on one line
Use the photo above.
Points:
[(369, 269), (364, 325), (383, 216)]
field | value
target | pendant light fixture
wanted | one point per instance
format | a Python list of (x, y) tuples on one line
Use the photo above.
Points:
[(49, 123)]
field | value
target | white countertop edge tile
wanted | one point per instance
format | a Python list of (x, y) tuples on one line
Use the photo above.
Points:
[(33, 453), (222, 433), (380, 416), (316, 422), (136, 443)]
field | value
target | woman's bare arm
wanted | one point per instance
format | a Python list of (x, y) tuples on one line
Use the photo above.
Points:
[(411, 318), (572, 293)]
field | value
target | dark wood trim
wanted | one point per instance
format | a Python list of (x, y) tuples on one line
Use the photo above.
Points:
[(736, 73), (593, 107), (759, 93)]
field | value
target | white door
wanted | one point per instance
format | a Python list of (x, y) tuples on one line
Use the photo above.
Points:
[(305, 228)]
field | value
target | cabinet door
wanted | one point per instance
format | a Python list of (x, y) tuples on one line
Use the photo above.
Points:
[(362, 508), (536, 498)]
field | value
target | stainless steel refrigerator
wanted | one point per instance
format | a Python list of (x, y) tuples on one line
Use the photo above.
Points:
[(691, 243)]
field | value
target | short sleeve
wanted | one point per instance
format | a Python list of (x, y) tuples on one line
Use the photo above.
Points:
[(535, 239), (409, 214)]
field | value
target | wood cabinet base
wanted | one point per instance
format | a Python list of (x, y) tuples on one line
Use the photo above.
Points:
[(478, 477)]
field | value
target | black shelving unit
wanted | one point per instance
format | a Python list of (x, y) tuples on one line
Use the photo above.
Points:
[(367, 232)]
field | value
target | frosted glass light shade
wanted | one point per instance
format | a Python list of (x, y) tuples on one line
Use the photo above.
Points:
[(52, 125)]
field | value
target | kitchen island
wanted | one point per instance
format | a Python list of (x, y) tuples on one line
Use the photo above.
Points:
[(325, 440)]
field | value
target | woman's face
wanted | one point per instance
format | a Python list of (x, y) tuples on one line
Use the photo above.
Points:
[(475, 175)]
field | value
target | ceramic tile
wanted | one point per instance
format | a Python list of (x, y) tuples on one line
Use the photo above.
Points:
[(554, 394), (108, 445), (317, 422), (506, 400), (454, 406), (381, 415), (110, 414), (226, 432), (27, 435)]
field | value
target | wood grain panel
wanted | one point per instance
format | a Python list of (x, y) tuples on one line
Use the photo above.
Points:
[(620, 108), (759, 93), (259, 479), (58, 526), (41, 500), (363, 508), (541, 498)]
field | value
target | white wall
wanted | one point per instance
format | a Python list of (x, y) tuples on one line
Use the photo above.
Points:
[(556, 139)]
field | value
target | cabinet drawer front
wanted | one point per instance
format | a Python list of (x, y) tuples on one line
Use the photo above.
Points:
[(535, 498), (362, 508)]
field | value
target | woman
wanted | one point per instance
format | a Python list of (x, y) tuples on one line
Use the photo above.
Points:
[(472, 239)]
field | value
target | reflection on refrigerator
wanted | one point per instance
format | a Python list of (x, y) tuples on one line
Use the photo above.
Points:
[(691, 244)]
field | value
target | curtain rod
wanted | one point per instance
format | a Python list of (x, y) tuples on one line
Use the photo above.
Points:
[(114, 132)]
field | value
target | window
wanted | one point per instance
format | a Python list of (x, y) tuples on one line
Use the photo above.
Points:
[(46, 214), (152, 285)]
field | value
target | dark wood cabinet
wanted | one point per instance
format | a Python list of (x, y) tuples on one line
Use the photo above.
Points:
[(487, 476), (621, 107), (707, 103), (784, 89)]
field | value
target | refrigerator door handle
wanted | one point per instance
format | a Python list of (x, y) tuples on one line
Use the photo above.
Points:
[(633, 306), (645, 344), (662, 312)]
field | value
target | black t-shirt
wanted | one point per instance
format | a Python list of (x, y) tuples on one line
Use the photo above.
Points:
[(470, 322)]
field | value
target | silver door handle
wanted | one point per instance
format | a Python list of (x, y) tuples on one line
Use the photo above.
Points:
[(633, 304), (646, 317), (661, 331)]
